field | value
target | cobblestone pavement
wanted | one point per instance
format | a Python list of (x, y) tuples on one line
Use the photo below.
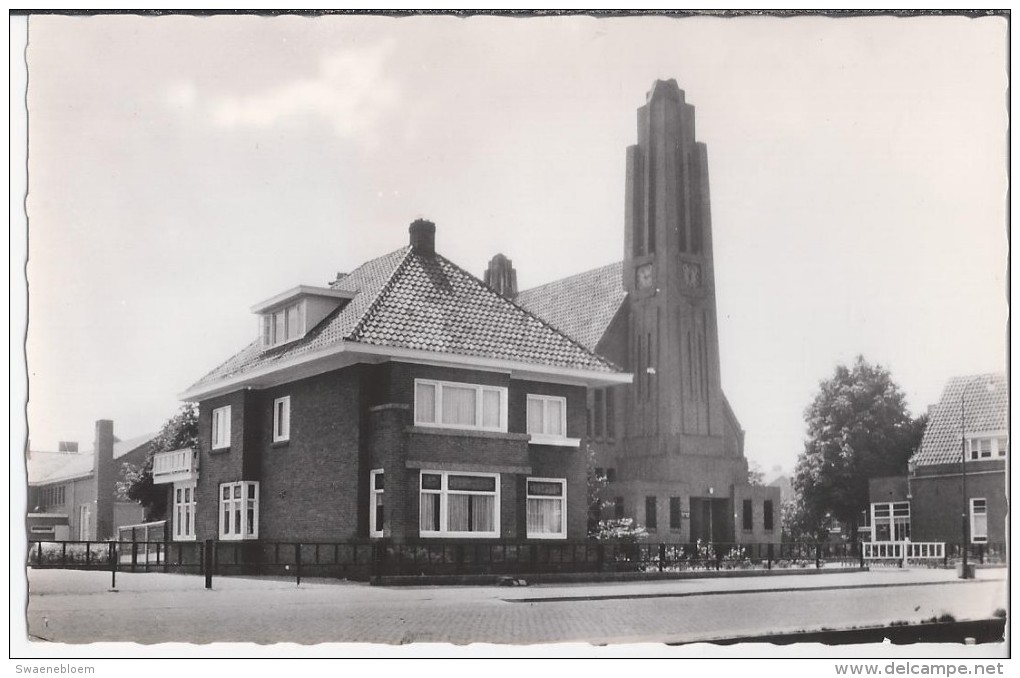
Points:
[(76, 607)]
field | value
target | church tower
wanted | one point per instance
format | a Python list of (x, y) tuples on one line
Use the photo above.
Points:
[(681, 450), (677, 401)]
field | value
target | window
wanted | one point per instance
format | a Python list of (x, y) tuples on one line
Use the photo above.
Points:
[(618, 512), (53, 496), (767, 515), (547, 416), (978, 521), (281, 419), (748, 514), (547, 508), (221, 427), (283, 325), (239, 510), (675, 513), (452, 405), (890, 521), (459, 504), (376, 515), (184, 511), (986, 447), (651, 519)]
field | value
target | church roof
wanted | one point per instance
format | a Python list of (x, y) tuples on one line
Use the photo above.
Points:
[(412, 300), (581, 306), (985, 406)]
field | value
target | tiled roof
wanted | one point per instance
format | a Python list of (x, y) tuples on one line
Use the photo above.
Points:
[(51, 467), (368, 279), (431, 304), (413, 301), (581, 306), (985, 405)]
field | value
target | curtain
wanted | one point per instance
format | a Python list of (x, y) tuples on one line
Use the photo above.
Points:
[(459, 405), (545, 516), (490, 409), (535, 416), (554, 417), (471, 513), (429, 512), (425, 403)]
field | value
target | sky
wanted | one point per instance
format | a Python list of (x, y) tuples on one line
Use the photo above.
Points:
[(182, 169)]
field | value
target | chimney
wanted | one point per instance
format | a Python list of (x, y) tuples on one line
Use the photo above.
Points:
[(105, 474), (501, 276), (423, 237), (67, 447)]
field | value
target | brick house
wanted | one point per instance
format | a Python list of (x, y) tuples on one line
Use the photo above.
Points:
[(73, 495), (407, 400), (967, 434)]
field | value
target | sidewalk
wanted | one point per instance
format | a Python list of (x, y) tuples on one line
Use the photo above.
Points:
[(76, 607)]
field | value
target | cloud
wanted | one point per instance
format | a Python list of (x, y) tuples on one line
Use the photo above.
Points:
[(182, 95), (350, 92)]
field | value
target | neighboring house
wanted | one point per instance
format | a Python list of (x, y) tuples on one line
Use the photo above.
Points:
[(669, 443), (409, 400), (785, 486), (956, 480), (73, 495)]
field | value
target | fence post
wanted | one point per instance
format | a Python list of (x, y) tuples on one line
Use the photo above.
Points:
[(112, 555), (818, 556), (771, 547), (207, 561), (860, 553), (297, 562), (38, 554), (981, 553), (134, 551)]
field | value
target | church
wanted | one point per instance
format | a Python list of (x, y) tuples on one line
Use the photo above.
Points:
[(410, 400), (669, 444)]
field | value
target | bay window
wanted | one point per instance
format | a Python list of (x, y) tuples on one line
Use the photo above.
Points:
[(547, 508), (459, 504), (239, 510), (454, 405)]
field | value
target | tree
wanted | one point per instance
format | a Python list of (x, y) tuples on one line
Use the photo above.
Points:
[(858, 428), (755, 476), (179, 431), (596, 486)]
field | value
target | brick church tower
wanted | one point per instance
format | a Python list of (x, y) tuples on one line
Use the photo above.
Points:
[(668, 443)]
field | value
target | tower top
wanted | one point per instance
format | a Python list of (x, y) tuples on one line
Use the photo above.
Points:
[(666, 88)]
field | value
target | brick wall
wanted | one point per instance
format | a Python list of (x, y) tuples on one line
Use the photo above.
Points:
[(938, 502)]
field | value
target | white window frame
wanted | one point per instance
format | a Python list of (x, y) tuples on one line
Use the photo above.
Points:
[(292, 330), (994, 438), (444, 492), (562, 534), (373, 494), (184, 530), (230, 528), (437, 414), (221, 428), (974, 537), (541, 437), (896, 513), (281, 414)]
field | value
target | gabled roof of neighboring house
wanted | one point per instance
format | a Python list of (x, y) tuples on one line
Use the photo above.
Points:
[(421, 302), (45, 468), (986, 405), (581, 306)]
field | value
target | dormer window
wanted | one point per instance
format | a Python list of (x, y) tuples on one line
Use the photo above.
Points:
[(283, 325), (292, 314)]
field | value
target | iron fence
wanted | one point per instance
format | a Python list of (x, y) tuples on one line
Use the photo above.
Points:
[(363, 560)]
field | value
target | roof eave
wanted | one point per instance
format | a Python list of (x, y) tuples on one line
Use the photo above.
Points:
[(350, 352)]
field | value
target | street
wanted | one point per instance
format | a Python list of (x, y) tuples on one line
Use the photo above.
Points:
[(77, 607)]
